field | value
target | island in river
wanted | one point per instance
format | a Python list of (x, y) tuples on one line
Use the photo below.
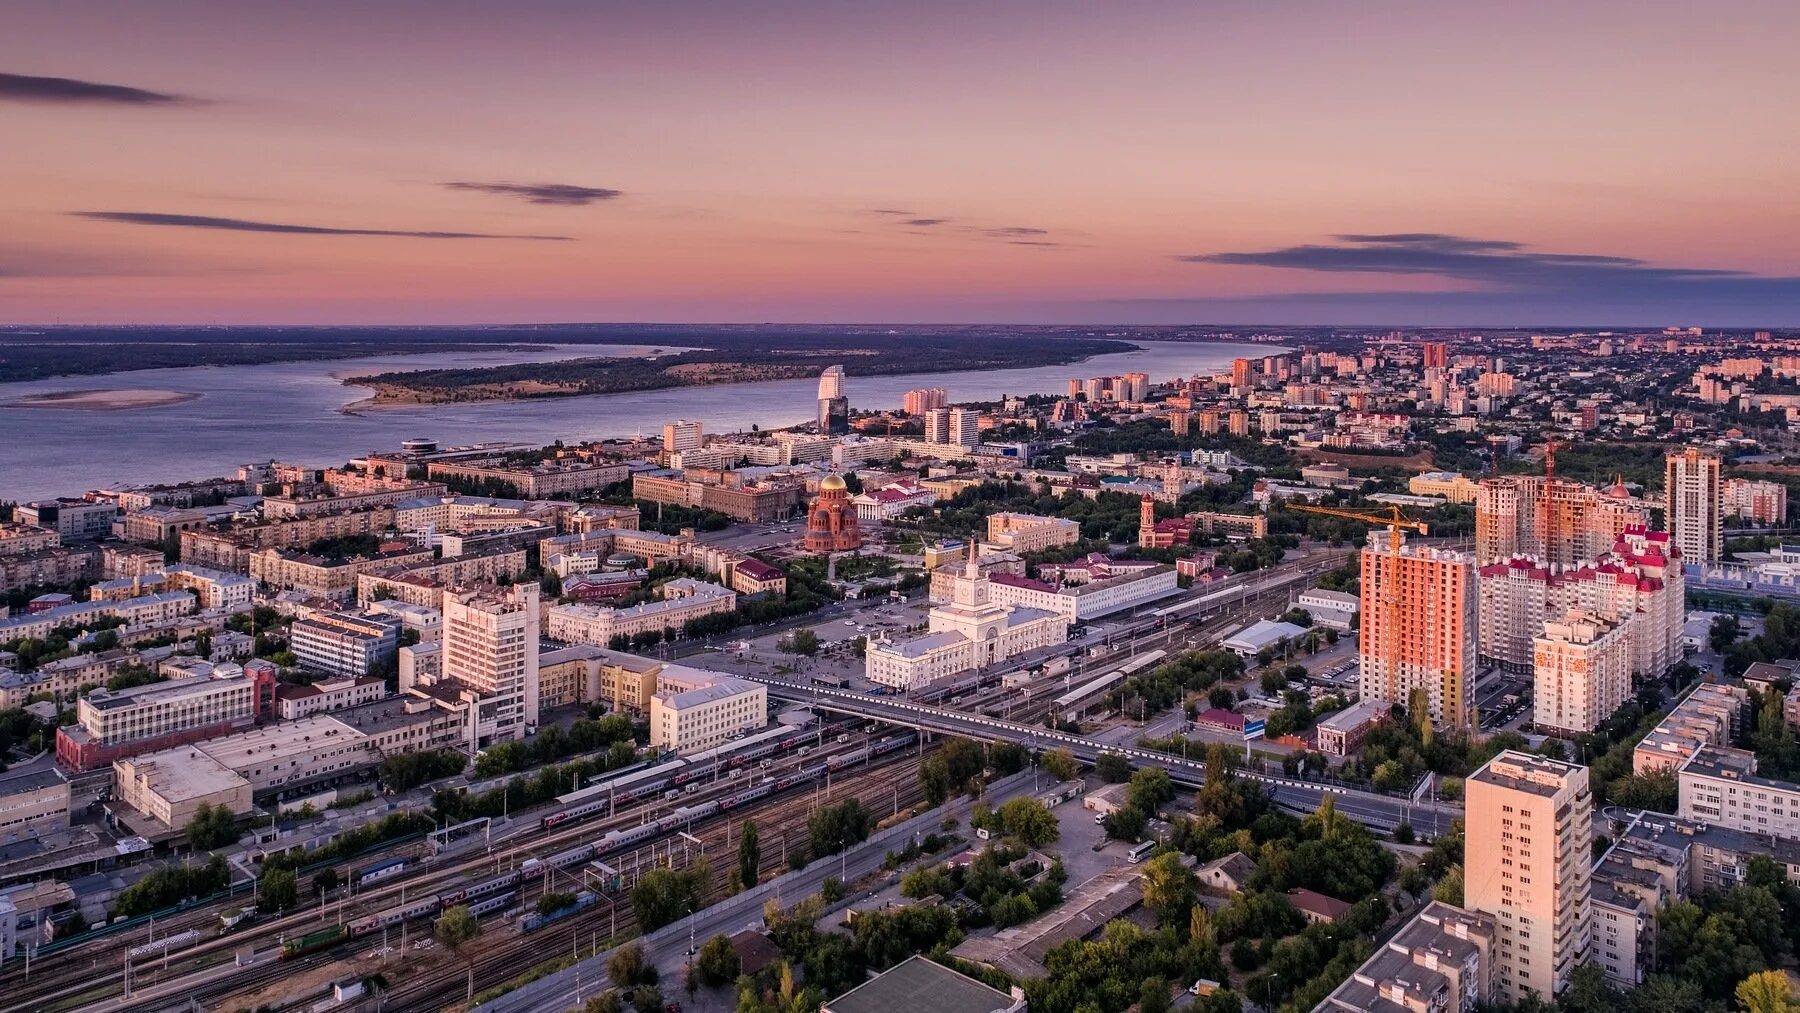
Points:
[(100, 400), (735, 358)]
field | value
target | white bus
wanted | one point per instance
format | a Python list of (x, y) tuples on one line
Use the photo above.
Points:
[(1140, 851)]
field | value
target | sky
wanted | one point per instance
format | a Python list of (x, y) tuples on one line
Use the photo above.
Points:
[(1628, 162)]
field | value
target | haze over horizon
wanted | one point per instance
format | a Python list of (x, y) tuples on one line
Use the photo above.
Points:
[(1279, 163)]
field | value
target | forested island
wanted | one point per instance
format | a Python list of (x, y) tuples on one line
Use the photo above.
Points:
[(736, 357)]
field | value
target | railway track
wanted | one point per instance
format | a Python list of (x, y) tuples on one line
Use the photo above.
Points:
[(441, 980), (69, 979)]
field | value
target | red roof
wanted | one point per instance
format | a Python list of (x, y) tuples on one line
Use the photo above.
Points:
[(758, 570), (1219, 718)]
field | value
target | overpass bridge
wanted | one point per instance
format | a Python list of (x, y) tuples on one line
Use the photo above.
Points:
[(1377, 810)]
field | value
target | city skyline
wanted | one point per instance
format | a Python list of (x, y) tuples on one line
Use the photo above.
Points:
[(1145, 163)]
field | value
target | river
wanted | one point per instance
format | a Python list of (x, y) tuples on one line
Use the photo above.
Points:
[(290, 411)]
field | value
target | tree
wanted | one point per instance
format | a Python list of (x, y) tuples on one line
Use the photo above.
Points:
[(1113, 768), (277, 890), (663, 895), (324, 881), (799, 642), (1169, 888), (1060, 764), (1724, 632), (1765, 992), (1450, 888), (212, 827), (454, 930), (629, 965), (1029, 820), (1655, 790), (605, 1002), (717, 962), (749, 855), (1150, 788)]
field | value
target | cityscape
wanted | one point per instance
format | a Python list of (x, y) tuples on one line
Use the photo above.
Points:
[(779, 580)]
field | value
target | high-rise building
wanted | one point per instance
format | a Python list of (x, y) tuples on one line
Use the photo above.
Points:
[(918, 402), (1136, 387), (1692, 495), (490, 648), (680, 435), (937, 425), (1418, 626), (1581, 672), (834, 406), (1180, 422), (1437, 355), (1552, 520), (964, 427), (1239, 423), (1095, 389), (1241, 373), (1527, 858), (1754, 501)]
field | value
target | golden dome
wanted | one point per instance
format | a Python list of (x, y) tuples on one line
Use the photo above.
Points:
[(831, 483)]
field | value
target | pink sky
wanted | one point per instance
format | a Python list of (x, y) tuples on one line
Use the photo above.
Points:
[(1067, 155)]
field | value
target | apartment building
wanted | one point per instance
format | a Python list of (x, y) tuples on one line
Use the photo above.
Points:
[(490, 647), (140, 611), (1719, 785), (1552, 520), (293, 570), (348, 644), (1527, 864), (424, 583), (1711, 714), (918, 402), (1692, 504), (52, 566), (1441, 961), (287, 508), (1753, 501), (1025, 533), (705, 716), (1581, 672), (541, 480), (754, 503), (1231, 525), (1418, 626), (684, 600), (231, 550), (681, 435)]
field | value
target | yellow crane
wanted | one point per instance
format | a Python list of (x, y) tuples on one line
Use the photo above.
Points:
[(1390, 595)]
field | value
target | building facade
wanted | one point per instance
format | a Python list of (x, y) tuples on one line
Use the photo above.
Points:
[(1693, 504), (1418, 626), (1581, 672)]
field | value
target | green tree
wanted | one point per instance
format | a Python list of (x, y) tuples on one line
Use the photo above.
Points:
[(454, 930), (749, 855), (1169, 888), (324, 881), (717, 962), (211, 827), (629, 966), (1450, 888), (1029, 820), (663, 895), (1113, 768), (1150, 788), (605, 1002), (1060, 764), (1724, 632), (277, 890)]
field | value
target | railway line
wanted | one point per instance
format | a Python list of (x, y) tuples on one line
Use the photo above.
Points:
[(100, 967)]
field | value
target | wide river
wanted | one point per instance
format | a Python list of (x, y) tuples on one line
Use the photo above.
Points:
[(291, 411)]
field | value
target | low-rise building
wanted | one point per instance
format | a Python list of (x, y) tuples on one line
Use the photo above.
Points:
[(293, 570), (753, 576), (1442, 961), (110, 725), (708, 715), (170, 786), (684, 599), (1450, 485), (1341, 733), (1711, 714), (1026, 533), (326, 696), (1088, 601), (1333, 610), (33, 802), (971, 630), (1720, 785), (539, 480)]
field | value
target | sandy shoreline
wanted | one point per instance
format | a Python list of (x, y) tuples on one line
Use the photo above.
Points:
[(101, 400)]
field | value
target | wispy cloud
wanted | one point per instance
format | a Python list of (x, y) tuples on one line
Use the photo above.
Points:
[(246, 225), (1012, 235), (1014, 232), (1487, 262), (925, 222), (68, 90), (560, 194), (890, 211)]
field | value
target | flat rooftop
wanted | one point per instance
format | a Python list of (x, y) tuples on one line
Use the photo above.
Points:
[(182, 773), (1525, 772), (287, 738)]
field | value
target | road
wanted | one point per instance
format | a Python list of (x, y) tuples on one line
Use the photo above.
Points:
[(1377, 810), (668, 946)]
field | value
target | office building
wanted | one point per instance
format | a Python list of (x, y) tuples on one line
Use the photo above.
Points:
[(701, 717), (684, 600), (345, 643), (113, 724), (1418, 626), (73, 520), (834, 406), (1026, 533), (1692, 504), (1454, 487), (681, 435), (1581, 672), (490, 647), (1527, 860)]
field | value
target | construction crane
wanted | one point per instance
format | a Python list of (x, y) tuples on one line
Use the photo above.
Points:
[(1390, 594)]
